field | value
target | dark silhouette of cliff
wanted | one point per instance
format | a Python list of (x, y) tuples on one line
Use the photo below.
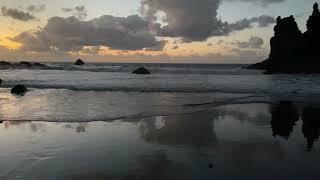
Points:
[(291, 50)]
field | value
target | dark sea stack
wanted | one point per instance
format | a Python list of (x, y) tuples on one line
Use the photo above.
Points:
[(291, 50), (19, 90), (79, 62), (141, 70)]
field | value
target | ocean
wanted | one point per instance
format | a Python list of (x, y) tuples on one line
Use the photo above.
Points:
[(184, 121), (104, 91)]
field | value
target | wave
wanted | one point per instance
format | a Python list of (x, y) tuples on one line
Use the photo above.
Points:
[(154, 68)]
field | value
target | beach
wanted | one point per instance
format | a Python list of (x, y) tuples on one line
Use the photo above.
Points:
[(181, 122), (224, 142)]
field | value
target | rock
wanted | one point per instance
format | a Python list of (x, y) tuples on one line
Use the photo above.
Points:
[(25, 63), (0, 82), (5, 63), (19, 89), (290, 48), (210, 165), (39, 65), (79, 62), (141, 70)]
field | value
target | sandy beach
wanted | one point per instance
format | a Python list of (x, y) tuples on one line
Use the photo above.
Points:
[(240, 140)]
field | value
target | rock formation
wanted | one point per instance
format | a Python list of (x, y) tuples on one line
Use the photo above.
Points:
[(141, 70), (21, 65), (19, 90), (291, 50), (79, 62)]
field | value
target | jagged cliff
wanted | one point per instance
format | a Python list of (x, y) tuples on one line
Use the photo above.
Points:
[(291, 50)]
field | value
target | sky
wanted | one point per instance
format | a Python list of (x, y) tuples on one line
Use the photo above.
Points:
[(168, 31)]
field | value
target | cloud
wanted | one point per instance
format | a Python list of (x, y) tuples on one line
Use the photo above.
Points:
[(72, 34), (36, 8), (67, 10), (17, 14), (185, 18), (254, 42), (262, 21), (78, 11), (91, 50), (259, 2), (194, 20)]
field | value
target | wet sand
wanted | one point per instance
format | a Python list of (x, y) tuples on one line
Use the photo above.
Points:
[(239, 141)]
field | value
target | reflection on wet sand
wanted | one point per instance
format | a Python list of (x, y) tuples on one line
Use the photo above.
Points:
[(284, 117), (311, 125), (194, 129), (222, 143), (155, 165)]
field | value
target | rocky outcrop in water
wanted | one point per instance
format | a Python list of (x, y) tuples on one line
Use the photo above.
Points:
[(291, 50), (141, 70), (79, 62), (21, 65), (19, 90)]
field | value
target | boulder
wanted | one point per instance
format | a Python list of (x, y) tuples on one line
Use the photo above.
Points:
[(141, 70), (39, 65), (79, 62), (25, 63), (19, 89), (5, 63)]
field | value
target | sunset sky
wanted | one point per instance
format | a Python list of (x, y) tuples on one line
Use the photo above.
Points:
[(190, 31)]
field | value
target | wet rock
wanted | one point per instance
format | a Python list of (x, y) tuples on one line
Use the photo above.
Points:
[(141, 70), (79, 62), (25, 63), (210, 165), (39, 65), (19, 89), (290, 48), (5, 63)]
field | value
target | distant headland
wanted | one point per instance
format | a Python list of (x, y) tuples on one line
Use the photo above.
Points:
[(291, 50)]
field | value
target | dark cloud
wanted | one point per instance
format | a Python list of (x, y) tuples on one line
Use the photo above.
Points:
[(36, 8), (259, 2), (185, 18), (72, 34), (254, 42), (262, 21), (78, 11), (194, 20), (17, 14)]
